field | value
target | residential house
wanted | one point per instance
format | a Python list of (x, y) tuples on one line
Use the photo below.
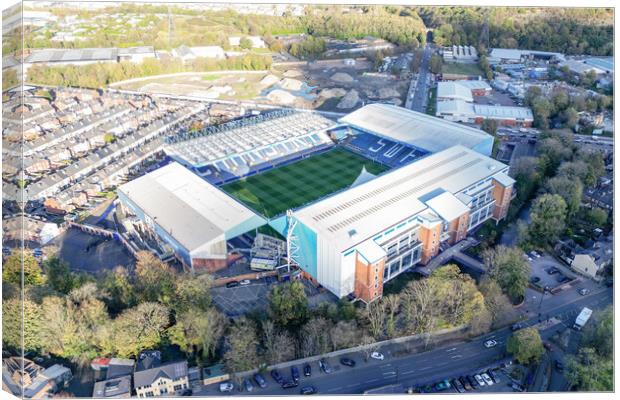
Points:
[(167, 379)]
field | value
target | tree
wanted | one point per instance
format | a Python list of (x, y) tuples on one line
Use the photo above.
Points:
[(596, 216), (192, 291), (344, 334), (197, 331), (526, 346), (22, 260), (600, 333), (279, 345), (241, 343), (435, 64), (590, 372), (489, 126), (18, 325), (570, 189), (369, 346), (245, 43), (314, 337), (121, 292), (496, 302), (375, 318), (288, 305), (58, 275), (548, 218), (154, 279), (392, 302), (509, 269), (139, 328)]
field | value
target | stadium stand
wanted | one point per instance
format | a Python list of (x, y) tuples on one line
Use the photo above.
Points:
[(384, 151), (240, 148)]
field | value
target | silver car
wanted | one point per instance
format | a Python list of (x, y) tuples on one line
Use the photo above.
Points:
[(487, 379)]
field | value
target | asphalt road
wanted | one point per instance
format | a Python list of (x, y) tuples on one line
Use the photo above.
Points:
[(420, 90), (428, 367)]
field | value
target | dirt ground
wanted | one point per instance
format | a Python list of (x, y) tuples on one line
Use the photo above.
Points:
[(329, 85)]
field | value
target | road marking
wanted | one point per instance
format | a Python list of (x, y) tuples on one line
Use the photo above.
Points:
[(353, 385), (373, 380), (452, 349), (422, 369), (457, 356), (334, 389), (408, 372)]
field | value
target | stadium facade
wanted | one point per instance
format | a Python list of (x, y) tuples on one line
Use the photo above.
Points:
[(442, 183), (355, 241)]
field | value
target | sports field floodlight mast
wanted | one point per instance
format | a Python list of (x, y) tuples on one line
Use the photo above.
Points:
[(292, 245)]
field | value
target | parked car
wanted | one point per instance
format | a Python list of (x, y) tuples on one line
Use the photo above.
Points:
[(559, 366), (458, 385), (443, 385), (308, 390), (347, 361), (260, 381), (535, 279), (516, 327), (547, 346), (307, 370), (494, 375), (465, 383), (487, 379), (490, 343), (232, 284), (226, 387), (516, 387), (295, 373), (552, 270), (289, 384), (325, 367), (565, 279), (473, 382), (377, 356), (245, 282), (584, 291), (479, 379), (427, 389), (560, 278), (534, 254), (248, 385), (275, 374)]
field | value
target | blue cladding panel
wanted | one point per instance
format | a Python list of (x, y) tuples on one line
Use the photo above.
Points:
[(307, 257), (248, 225), (485, 147)]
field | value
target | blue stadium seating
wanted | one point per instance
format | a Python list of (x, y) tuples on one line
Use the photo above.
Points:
[(382, 150)]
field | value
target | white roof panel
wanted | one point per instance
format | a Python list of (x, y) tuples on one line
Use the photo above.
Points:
[(447, 206), (417, 129), (190, 209), (387, 200)]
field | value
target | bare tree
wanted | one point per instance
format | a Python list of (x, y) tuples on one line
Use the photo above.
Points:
[(369, 346), (375, 315)]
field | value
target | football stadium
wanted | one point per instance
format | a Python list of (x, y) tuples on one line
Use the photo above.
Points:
[(359, 200)]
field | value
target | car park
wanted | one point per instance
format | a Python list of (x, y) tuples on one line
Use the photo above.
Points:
[(487, 379), (232, 284), (479, 379), (490, 343), (308, 390), (377, 356), (347, 361), (307, 370), (289, 384), (584, 291), (295, 373), (226, 387), (465, 383), (275, 374), (248, 385), (552, 270), (565, 279), (260, 381), (494, 375), (325, 367)]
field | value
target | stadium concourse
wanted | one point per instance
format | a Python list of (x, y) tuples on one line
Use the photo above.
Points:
[(360, 200)]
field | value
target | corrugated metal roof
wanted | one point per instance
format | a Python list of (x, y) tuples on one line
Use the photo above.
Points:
[(191, 210), (447, 206), (410, 127), (454, 90), (390, 198), (68, 55)]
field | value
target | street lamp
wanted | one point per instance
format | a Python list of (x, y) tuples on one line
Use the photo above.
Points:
[(540, 303)]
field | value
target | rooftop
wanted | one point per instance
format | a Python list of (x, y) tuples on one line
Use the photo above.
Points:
[(69, 55), (113, 387), (378, 204), (174, 371), (193, 211), (416, 129)]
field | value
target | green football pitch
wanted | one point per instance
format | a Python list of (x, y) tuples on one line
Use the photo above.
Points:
[(277, 190)]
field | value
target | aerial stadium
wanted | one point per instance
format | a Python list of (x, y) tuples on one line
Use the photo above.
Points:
[(359, 200)]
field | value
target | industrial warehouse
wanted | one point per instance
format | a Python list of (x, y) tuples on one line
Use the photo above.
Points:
[(357, 202)]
